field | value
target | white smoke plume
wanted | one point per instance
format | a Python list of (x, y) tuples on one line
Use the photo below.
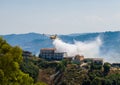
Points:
[(111, 56), (88, 49)]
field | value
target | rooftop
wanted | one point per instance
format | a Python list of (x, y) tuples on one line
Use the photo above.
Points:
[(48, 49)]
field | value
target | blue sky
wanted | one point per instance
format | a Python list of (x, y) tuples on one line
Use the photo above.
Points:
[(59, 16)]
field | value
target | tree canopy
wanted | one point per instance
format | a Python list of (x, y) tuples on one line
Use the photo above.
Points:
[(10, 59)]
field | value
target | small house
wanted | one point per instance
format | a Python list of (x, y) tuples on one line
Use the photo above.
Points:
[(78, 59), (94, 60), (115, 64), (26, 54)]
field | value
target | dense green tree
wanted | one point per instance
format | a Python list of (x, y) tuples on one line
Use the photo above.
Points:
[(107, 82), (94, 66), (114, 78), (106, 68), (97, 81), (30, 68), (10, 59)]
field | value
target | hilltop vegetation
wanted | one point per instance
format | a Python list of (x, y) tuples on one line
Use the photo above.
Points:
[(10, 60), (68, 73), (75, 75)]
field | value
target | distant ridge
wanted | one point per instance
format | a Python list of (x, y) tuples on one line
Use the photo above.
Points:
[(34, 41)]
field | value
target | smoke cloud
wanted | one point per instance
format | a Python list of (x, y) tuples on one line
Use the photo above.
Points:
[(111, 56), (89, 49)]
